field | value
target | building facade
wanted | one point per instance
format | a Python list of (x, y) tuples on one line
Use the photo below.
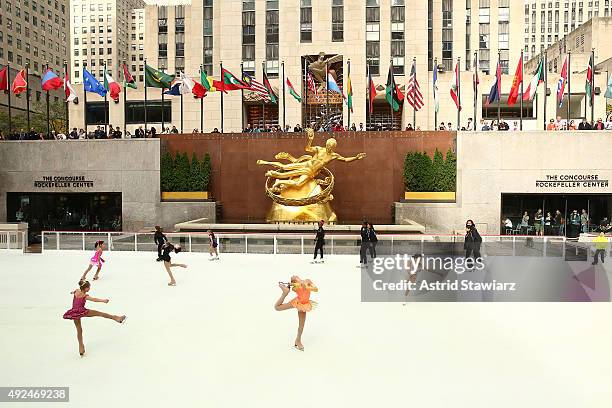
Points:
[(33, 33)]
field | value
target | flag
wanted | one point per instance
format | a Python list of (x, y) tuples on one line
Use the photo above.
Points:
[(332, 85), (175, 88), (561, 84), (111, 86), (349, 93), (312, 86), (393, 97), (292, 91), (516, 84), (50, 81), (128, 79), (229, 82), (157, 79), (19, 83), (455, 87), (588, 87), (255, 86), (4, 79), (271, 95), (371, 92), (495, 92), (436, 92), (413, 94), (71, 95), (609, 88), (537, 79), (91, 84), (209, 83)]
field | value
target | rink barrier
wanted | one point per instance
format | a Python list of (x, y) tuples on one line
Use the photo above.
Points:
[(14, 240), (290, 243)]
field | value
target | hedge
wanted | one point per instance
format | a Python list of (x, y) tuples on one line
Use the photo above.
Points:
[(178, 173), (424, 174)]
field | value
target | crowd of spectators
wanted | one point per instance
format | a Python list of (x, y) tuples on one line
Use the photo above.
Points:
[(562, 124)]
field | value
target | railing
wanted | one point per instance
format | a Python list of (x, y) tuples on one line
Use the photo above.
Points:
[(258, 243), (13, 240)]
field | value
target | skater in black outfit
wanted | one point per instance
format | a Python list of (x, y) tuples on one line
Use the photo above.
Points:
[(160, 239), (373, 239), (365, 244), (319, 242), (472, 242)]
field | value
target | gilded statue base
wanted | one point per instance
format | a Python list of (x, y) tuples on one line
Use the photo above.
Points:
[(280, 213)]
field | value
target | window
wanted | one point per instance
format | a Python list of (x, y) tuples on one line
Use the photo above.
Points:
[(447, 34), (248, 36), (373, 36), (337, 20), (208, 36), (398, 51), (305, 21), (272, 21)]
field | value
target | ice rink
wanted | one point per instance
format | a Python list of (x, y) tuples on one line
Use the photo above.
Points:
[(216, 341)]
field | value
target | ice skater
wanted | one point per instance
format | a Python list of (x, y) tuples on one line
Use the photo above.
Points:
[(302, 303), (78, 311), (169, 247), (319, 242), (213, 244), (95, 260)]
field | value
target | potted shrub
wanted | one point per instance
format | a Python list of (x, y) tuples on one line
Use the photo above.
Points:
[(430, 180), (182, 179)]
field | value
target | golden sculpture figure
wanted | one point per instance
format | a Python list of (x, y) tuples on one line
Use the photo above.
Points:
[(301, 189)]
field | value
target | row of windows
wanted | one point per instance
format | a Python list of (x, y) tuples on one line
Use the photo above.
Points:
[(20, 60)]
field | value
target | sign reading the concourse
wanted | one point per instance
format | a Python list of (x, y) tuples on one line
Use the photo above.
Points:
[(572, 181), (63, 182)]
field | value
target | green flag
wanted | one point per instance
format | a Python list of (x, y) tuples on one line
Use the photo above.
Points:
[(271, 94), (157, 79), (393, 96)]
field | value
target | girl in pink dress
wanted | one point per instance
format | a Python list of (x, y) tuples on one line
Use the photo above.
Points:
[(78, 311), (96, 260)]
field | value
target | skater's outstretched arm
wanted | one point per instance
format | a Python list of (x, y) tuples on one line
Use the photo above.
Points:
[(98, 300)]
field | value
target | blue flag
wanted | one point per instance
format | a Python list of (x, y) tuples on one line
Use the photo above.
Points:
[(91, 84)]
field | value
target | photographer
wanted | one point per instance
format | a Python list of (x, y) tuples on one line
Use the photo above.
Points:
[(472, 241), (160, 239)]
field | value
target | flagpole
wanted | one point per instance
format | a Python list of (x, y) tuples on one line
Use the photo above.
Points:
[(369, 96), (263, 102), (522, 75), (222, 92), (48, 124), (435, 67), (284, 108), (545, 85), (348, 63), (242, 97), (201, 105), (28, 93), (305, 92), (84, 98), (163, 122), (66, 102), (499, 91), (326, 92), (105, 106), (593, 87), (124, 104), (414, 96), (569, 87), (458, 127), (475, 90), (392, 92), (145, 98), (8, 92)]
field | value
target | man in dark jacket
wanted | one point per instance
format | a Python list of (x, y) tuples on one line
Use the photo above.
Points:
[(365, 244), (319, 242), (472, 242), (160, 239)]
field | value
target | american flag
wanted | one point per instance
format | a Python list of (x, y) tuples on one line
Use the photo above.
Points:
[(413, 94), (255, 86), (311, 84)]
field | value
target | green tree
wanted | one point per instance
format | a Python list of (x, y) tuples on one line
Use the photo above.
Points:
[(181, 172), (410, 166), (450, 170), (205, 171), (438, 172), (166, 171), (195, 176)]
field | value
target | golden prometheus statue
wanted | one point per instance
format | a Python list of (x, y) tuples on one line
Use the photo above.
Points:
[(302, 188)]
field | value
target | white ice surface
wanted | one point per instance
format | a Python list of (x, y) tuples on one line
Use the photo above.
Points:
[(215, 340)]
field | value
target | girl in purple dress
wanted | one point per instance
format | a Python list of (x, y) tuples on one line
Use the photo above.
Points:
[(78, 311), (96, 260)]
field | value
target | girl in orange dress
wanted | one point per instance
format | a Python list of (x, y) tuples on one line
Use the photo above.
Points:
[(302, 303)]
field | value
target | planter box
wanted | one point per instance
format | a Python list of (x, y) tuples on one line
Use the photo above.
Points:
[(430, 197), (184, 196)]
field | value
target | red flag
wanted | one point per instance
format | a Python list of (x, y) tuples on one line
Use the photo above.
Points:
[(4, 74), (19, 83), (371, 92), (456, 87), (516, 84), (198, 90)]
